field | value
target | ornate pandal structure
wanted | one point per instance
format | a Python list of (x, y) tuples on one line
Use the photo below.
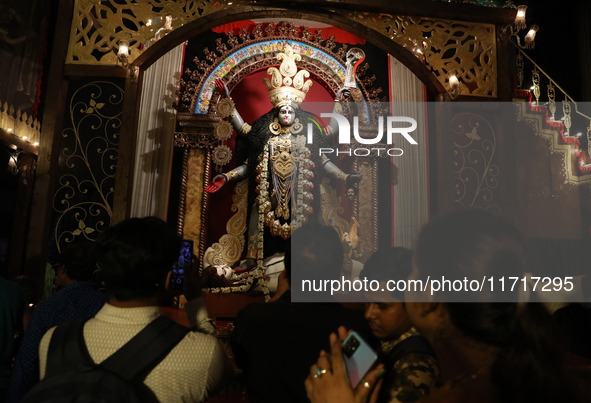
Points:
[(468, 48), (226, 250)]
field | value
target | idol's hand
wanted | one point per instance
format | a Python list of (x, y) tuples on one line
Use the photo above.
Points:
[(353, 179), (222, 88), (217, 183)]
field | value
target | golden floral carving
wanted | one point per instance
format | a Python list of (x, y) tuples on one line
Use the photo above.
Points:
[(192, 227), (229, 247), (84, 194), (225, 107), (447, 47), (222, 154), (223, 130), (99, 25), (465, 49)]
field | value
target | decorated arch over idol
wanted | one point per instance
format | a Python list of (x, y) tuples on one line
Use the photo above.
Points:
[(243, 71), (410, 60)]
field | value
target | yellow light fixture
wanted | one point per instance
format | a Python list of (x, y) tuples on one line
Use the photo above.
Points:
[(531, 36), (520, 17), (123, 52)]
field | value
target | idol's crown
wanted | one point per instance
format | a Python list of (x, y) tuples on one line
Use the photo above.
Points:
[(287, 85)]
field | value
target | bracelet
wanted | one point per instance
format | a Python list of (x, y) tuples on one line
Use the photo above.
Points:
[(245, 128)]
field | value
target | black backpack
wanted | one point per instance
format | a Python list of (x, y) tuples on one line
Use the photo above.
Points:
[(72, 376)]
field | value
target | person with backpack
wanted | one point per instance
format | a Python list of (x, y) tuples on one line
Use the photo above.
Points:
[(130, 351), (77, 298)]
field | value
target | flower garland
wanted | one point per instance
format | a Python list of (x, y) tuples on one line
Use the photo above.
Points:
[(262, 201)]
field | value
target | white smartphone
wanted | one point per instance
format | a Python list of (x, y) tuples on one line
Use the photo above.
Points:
[(359, 357)]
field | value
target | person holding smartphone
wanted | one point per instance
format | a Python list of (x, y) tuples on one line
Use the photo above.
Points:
[(489, 352), (410, 366)]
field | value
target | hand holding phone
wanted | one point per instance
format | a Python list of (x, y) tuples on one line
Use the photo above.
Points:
[(358, 356)]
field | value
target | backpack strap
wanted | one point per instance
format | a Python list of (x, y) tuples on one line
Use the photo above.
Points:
[(136, 359), (133, 361), (67, 348)]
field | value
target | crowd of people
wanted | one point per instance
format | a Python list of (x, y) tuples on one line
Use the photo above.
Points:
[(428, 350)]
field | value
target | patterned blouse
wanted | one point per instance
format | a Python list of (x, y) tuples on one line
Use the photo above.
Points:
[(411, 377)]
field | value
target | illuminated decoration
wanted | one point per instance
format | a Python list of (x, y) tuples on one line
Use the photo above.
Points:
[(530, 37), (520, 18), (466, 47), (519, 24), (19, 124), (454, 87), (123, 53)]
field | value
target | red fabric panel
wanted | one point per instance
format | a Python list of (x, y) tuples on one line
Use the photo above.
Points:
[(340, 36)]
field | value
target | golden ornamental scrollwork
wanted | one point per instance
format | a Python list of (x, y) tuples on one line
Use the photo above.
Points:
[(229, 247), (331, 207), (194, 140), (447, 47), (222, 155), (321, 57), (465, 49), (476, 175), (332, 211), (99, 25), (86, 181)]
